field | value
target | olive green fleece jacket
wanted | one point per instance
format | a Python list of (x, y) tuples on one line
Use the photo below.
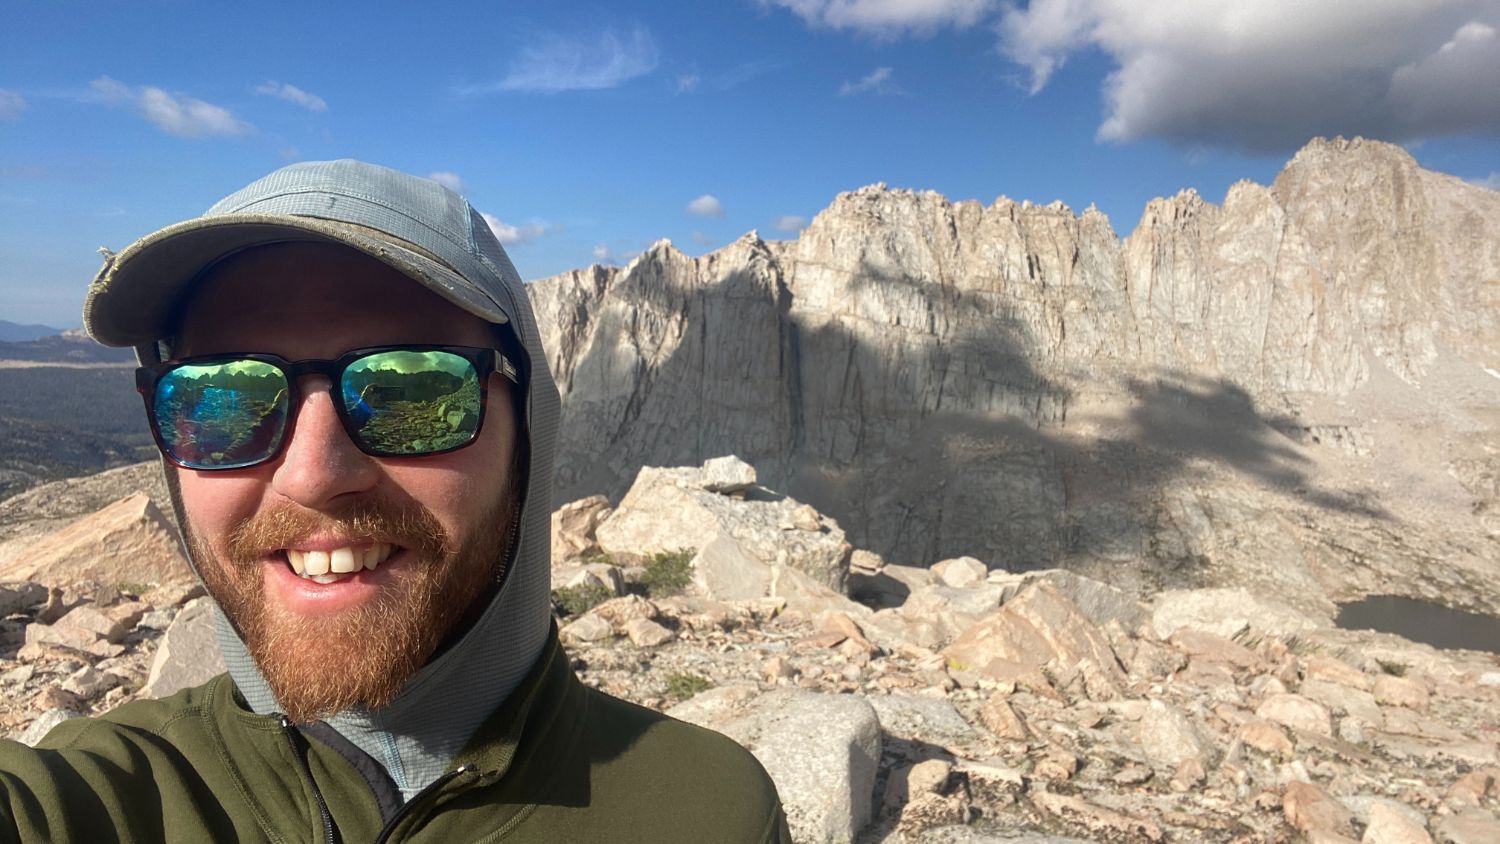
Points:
[(557, 762)]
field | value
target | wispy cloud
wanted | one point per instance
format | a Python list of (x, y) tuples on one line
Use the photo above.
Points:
[(706, 205), (1492, 181), (789, 223), (577, 63), (1264, 77), (449, 180), (687, 83), (174, 114), (888, 18), (877, 81), (510, 235), (11, 104), (702, 239), (292, 94), (602, 254)]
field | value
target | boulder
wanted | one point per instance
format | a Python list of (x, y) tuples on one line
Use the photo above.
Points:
[(670, 509), (1312, 811), (822, 751), (15, 597), (1037, 627), (1098, 601), (1389, 825), (1297, 712), (130, 541), (1169, 738), (727, 475), (960, 572), (573, 527), (189, 651), (44, 724), (1227, 612)]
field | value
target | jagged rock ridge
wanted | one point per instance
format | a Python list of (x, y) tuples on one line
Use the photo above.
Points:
[(1298, 376)]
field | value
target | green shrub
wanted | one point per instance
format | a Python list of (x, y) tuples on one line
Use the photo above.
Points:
[(668, 572), (577, 600), (1395, 669), (682, 685)]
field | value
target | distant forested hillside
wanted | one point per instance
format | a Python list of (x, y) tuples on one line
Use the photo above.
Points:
[(57, 422)]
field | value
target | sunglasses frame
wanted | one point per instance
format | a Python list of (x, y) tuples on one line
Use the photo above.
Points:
[(485, 360)]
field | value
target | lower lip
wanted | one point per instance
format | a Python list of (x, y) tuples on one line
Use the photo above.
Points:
[(298, 595)]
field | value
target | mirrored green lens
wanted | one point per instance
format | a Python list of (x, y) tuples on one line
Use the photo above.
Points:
[(402, 402), (221, 415)]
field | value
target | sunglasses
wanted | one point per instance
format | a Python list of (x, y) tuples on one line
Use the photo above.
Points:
[(234, 411)]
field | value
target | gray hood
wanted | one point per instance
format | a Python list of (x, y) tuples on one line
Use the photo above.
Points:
[(435, 237), (419, 733)]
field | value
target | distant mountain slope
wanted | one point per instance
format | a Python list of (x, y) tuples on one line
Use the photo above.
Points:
[(11, 332), (72, 347), (1297, 387)]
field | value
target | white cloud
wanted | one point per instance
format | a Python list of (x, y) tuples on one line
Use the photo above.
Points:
[(1455, 89), (293, 94), (602, 254), (877, 81), (687, 83), (1492, 181), (706, 205), (11, 104), (888, 18), (1268, 75), (510, 235), (789, 223), (449, 180), (702, 239), (589, 63), (174, 114)]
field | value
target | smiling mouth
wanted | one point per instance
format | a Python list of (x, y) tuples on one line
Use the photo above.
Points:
[(339, 563)]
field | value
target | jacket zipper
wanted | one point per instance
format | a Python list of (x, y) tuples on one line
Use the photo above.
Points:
[(290, 732), (432, 787)]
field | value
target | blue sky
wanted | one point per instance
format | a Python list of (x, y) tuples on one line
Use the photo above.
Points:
[(588, 131)]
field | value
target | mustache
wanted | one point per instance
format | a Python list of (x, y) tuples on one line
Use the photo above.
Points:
[(411, 527)]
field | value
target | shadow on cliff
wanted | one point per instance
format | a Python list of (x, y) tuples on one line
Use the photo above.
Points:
[(947, 440)]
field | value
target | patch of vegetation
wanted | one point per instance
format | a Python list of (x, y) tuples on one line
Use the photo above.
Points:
[(132, 588), (596, 555), (682, 685), (1395, 669), (668, 572), (577, 600)]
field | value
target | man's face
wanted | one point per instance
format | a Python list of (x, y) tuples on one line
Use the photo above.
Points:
[(444, 519)]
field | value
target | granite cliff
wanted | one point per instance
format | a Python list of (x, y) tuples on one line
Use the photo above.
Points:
[(1295, 391)]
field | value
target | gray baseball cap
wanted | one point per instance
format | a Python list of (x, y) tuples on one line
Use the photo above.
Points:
[(413, 224)]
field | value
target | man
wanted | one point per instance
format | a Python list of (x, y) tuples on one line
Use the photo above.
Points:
[(343, 373)]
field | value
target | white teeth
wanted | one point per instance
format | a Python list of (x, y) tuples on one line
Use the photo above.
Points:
[(375, 554), (341, 561), (316, 562), (331, 566)]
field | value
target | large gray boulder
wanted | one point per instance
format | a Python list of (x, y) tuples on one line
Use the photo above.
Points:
[(821, 750), (671, 509), (189, 652)]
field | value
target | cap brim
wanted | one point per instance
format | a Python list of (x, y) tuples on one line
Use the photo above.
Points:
[(135, 297)]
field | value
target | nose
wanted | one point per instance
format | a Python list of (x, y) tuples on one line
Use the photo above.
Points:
[(319, 463)]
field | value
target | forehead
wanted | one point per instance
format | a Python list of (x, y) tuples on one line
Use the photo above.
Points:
[(315, 300)]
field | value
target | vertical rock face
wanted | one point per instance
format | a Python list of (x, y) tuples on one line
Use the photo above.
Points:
[(1017, 383)]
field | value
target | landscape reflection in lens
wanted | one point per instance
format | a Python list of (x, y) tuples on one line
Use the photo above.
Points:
[(223, 414), (412, 402)]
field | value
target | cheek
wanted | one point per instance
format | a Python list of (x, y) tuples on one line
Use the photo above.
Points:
[(216, 503), (463, 488)]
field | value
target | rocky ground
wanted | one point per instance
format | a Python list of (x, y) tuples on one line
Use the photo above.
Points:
[(890, 703)]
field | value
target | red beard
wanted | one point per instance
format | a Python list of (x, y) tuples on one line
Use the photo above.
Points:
[(318, 666)]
